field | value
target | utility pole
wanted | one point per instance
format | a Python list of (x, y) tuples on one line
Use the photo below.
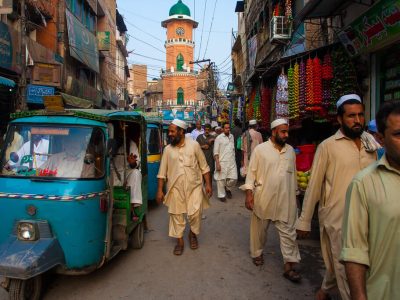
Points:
[(21, 105)]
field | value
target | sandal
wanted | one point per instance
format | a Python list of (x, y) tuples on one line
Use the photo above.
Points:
[(178, 250), (259, 260), (194, 244), (292, 275)]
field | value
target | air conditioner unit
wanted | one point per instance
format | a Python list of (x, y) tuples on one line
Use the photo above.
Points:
[(280, 28)]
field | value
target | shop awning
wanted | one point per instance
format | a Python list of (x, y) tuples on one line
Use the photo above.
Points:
[(7, 82), (76, 101), (319, 9)]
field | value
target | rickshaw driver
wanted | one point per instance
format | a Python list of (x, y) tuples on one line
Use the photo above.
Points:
[(71, 162), (134, 175)]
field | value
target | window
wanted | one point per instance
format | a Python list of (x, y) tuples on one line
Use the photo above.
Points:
[(153, 140), (179, 62), (180, 96), (53, 151)]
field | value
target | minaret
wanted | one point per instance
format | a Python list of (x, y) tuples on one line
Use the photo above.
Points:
[(179, 78)]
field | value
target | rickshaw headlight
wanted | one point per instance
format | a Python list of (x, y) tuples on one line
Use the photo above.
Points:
[(27, 232)]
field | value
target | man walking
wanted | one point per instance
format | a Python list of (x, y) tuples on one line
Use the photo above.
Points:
[(371, 222), (225, 165), (250, 139), (197, 131), (237, 133), (336, 161), (271, 187), (183, 164), (206, 141)]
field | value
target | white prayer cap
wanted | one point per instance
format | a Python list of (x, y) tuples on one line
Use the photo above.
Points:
[(253, 122), (179, 123), (278, 122), (348, 97)]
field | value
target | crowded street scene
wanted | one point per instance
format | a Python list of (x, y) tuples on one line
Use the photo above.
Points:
[(183, 149)]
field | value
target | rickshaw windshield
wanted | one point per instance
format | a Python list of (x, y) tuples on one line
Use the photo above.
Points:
[(53, 151)]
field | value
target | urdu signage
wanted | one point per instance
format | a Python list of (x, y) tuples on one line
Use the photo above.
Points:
[(376, 28)]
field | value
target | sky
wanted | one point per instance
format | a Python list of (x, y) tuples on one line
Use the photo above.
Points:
[(146, 36)]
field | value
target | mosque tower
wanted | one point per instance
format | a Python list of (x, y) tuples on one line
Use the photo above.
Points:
[(179, 78)]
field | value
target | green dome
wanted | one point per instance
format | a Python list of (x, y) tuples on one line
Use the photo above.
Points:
[(179, 9)]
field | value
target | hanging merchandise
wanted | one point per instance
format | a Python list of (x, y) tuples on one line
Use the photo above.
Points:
[(309, 84), (281, 106), (278, 11), (344, 76), (265, 107), (302, 88), (291, 92), (257, 114), (296, 92), (250, 105), (327, 76), (288, 9), (317, 85)]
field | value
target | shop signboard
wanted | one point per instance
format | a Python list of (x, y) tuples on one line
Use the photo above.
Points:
[(9, 45), (376, 28), (167, 115), (35, 93), (103, 40), (82, 43), (252, 48)]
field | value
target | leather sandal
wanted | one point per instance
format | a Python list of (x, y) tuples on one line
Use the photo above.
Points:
[(178, 250), (259, 260), (292, 275), (194, 244)]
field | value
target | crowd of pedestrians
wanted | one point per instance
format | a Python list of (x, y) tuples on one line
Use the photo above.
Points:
[(354, 178)]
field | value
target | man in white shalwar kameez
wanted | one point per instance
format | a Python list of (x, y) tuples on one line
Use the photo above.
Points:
[(183, 166), (225, 163), (337, 160), (271, 188)]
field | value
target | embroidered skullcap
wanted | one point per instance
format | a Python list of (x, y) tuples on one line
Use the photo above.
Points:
[(278, 122), (348, 97), (179, 123), (253, 122)]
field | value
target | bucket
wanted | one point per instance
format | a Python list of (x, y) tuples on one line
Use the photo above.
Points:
[(305, 157)]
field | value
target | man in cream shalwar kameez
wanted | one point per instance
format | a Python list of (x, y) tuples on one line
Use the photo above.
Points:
[(183, 165), (250, 139), (225, 163), (271, 188), (336, 161)]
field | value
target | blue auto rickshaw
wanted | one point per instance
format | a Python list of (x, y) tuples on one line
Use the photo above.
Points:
[(154, 151), (60, 206)]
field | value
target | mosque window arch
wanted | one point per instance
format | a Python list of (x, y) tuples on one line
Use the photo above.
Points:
[(179, 62), (180, 96)]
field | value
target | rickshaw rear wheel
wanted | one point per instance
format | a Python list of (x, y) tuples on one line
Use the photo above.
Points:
[(25, 289), (136, 240)]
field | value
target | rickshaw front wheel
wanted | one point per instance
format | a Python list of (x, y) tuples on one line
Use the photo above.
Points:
[(136, 240), (25, 289)]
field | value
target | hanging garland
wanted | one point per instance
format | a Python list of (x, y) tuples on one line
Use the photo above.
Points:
[(288, 9), (317, 84), (296, 106), (291, 92), (250, 105), (309, 84), (257, 114), (282, 97), (327, 76), (302, 88), (265, 107)]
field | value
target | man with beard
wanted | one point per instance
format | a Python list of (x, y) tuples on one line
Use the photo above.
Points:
[(183, 165), (225, 163), (371, 224), (336, 161), (206, 141), (271, 187)]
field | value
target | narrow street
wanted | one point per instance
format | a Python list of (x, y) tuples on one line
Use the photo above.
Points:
[(219, 269)]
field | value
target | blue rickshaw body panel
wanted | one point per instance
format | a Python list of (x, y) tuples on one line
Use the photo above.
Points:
[(79, 225)]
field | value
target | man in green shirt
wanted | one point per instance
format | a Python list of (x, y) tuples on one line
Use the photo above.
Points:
[(371, 224)]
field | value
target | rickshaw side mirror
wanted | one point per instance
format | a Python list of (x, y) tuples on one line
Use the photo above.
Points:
[(112, 147), (14, 157)]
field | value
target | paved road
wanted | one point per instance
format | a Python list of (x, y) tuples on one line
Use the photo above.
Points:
[(219, 269)]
